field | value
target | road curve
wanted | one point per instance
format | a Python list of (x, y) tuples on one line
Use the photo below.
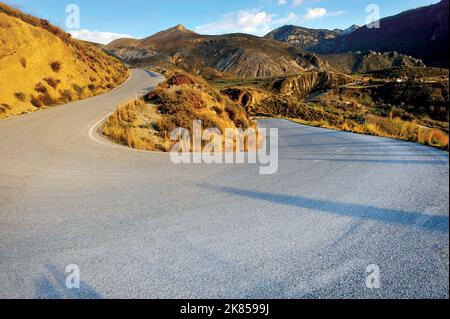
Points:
[(139, 226)]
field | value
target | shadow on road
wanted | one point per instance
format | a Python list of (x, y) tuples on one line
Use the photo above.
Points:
[(385, 215), (151, 74), (53, 286)]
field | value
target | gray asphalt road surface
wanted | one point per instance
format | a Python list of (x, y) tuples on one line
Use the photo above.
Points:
[(139, 226)]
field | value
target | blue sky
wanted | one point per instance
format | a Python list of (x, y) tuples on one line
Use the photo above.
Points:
[(102, 20)]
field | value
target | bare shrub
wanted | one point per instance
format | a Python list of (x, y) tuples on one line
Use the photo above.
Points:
[(20, 96), (36, 101), (66, 96), (195, 100), (43, 99), (439, 138), (46, 99), (52, 82), (55, 66), (92, 87), (78, 89), (181, 79), (40, 88), (4, 108)]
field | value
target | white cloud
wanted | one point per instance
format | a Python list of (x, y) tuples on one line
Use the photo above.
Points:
[(315, 13), (253, 21), (97, 36), (296, 3), (282, 2)]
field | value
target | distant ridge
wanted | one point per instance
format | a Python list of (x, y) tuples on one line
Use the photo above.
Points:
[(238, 54), (421, 32), (303, 38)]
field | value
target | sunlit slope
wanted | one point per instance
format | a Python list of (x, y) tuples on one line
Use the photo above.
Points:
[(41, 66)]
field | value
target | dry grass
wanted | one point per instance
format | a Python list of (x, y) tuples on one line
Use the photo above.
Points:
[(65, 69), (388, 127), (178, 102), (132, 125), (404, 130), (34, 21)]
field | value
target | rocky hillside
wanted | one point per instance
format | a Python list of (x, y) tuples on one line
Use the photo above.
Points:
[(349, 30), (41, 66), (303, 38), (281, 95), (238, 54), (303, 84), (370, 62), (422, 33), (245, 55)]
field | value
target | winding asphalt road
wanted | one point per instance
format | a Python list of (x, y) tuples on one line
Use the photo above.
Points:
[(139, 226)]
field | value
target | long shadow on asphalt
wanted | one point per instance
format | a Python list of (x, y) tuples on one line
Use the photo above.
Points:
[(390, 216)]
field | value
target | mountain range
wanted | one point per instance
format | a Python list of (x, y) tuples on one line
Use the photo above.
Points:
[(421, 33), (303, 38), (402, 40), (244, 55), (239, 54), (307, 39)]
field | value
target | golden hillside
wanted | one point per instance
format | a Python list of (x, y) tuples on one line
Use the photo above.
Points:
[(41, 66)]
